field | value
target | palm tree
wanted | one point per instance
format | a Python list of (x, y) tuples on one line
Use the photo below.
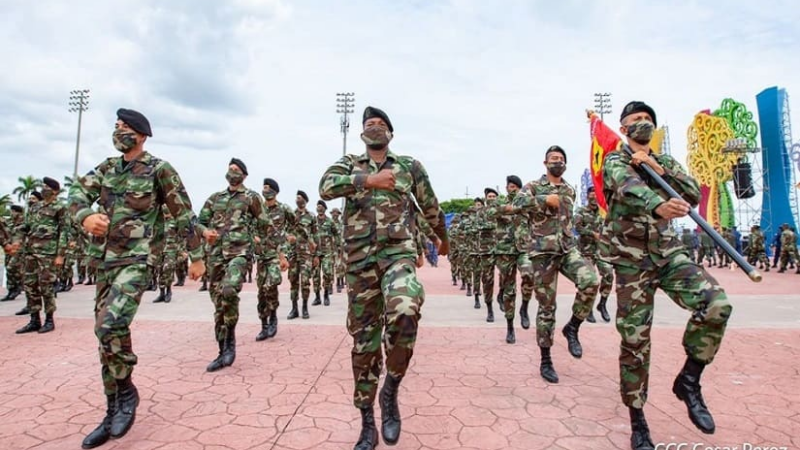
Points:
[(5, 202), (68, 182), (26, 186)]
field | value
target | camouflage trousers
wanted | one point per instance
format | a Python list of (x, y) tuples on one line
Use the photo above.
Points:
[(760, 256), (181, 267), (268, 278), (606, 273), (545, 274), (341, 264), (324, 268), (40, 275), (453, 259), (383, 306), (117, 296), (225, 278), (708, 254), (691, 288), (15, 268), (300, 275), (724, 259), (788, 256), (67, 270), (80, 265), (508, 265), (166, 269)]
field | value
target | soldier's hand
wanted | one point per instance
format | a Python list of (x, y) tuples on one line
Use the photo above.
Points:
[(9, 249), (420, 261), (96, 224), (291, 239), (508, 209), (643, 157), (673, 209), (552, 201), (284, 263), (444, 248), (383, 180), (59, 261), (316, 261), (197, 269), (312, 247), (211, 236), (257, 239)]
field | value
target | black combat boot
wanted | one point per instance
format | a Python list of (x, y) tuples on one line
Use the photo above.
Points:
[(590, 318), (510, 336), (500, 306), (317, 300), (204, 287), (127, 401), (181, 280), (477, 301), (69, 285), (293, 313), (546, 369), (102, 433), (524, 319), (160, 298), (640, 432), (49, 325), (326, 299), (229, 348), (152, 285), (469, 290), (23, 312), (168, 294), (570, 331), (216, 364), (81, 279), (272, 326), (455, 282), (305, 309), (34, 325), (390, 412), (58, 287), (463, 285), (262, 335), (368, 438), (601, 307), (489, 312), (687, 388)]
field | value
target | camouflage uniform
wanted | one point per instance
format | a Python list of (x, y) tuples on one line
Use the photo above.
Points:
[(267, 251), (46, 229), (552, 251), (181, 263), (724, 258), (788, 248), (15, 264), (646, 256), (706, 250), (131, 195), (589, 225), (301, 256), (67, 270), (453, 256), (756, 250), (469, 239), (340, 266), (234, 215), (485, 263), (169, 255), (687, 239), (385, 296), (327, 236)]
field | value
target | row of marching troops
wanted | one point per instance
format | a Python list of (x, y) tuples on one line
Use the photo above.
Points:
[(703, 249)]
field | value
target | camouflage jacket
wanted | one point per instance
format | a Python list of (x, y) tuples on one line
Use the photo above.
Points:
[(788, 239), (687, 239), (327, 236), (469, 232), (729, 237), (47, 229), (236, 216), (589, 225), (12, 229), (171, 238), (131, 196), (274, 242), (305, 232), (379, 225), (551, 229), (505, 243), (485, 228), (633, 235), (705, 240), (756, 241)]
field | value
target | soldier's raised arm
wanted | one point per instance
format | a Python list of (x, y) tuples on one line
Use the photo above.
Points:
[(338, 180)]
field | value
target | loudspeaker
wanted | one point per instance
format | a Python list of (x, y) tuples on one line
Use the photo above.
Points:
[(743, 180)]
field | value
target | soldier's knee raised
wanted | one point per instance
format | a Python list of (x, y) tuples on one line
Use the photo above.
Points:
[(719, 310)]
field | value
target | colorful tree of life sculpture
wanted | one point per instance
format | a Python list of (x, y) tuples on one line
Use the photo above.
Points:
[(707, 136)]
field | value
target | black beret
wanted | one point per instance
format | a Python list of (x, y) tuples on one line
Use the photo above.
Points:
[(488, 191), (17, 208), (135, 120), (51, 183), (372, 112), (321, 203), (590, 188), (478, 199), (555, 148), (303, 194), (272, 184), (515, 180), (37, 194), (239, 163), (635, 107)]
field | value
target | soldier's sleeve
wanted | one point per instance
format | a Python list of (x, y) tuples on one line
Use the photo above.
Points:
[(315, 233), (180, 206), (338, 180), (4, 235), (63, 231), (627, 186), (581, 226), (263, 221), (427, 201), (84, 192), (684, 184), (527, 201)]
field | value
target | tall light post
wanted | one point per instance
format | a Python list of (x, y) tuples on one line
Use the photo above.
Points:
[(602, 103), (79, 101), (344, 106)]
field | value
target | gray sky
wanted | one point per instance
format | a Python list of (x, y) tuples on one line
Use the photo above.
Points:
[(476, 90)]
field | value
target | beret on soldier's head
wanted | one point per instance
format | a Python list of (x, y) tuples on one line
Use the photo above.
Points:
[(371, 112), (37, 194), (272, 185), (635, 107), (240, 164), (135, 120), (556, 148), (51, 183), (515, 180), (303, 194), (489, 190), (478, 200), (321, 203), (590, 189), (335, 211), (17, 208)]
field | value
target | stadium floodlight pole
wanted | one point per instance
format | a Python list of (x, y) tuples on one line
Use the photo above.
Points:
[(602, 103), (79, 101), (344, 106)]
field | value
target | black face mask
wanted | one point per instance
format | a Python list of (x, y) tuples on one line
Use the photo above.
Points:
[(556, 169)]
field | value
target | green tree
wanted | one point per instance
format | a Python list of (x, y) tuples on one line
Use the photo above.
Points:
[(26, 187), (5, 203), (456, 205)]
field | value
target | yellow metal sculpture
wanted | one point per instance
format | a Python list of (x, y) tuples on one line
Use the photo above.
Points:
[(707, 136)]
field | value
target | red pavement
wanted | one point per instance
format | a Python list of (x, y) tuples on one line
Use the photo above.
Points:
[(466, 389)]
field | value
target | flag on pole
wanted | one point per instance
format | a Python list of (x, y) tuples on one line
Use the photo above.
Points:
[(604, 140)]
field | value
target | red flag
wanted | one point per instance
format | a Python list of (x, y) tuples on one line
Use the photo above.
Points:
[(604, 140)]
